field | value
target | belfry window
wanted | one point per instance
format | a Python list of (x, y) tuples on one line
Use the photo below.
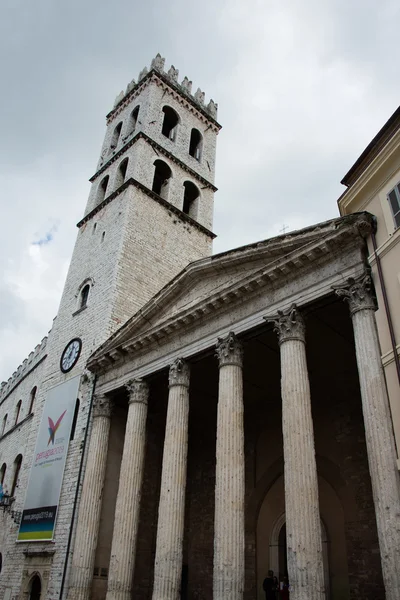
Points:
[(115, 136), (162, 176), (17, 468), (121, 174), (170, 123), (3, 427), (134, 119), (190, 199), (196, 143), (102, 189)]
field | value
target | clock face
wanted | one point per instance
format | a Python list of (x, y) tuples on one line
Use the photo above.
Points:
[(70, 355)]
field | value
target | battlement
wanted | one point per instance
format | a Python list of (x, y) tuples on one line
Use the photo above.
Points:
[(171, 77), (33, 359)]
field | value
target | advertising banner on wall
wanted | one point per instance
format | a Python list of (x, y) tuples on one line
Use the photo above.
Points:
[(44, 487)]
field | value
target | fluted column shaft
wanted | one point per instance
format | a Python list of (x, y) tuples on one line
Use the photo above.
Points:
[(228, 580), (87, 528), (303, 526), (378, 430), (171, 510), (126, 520)]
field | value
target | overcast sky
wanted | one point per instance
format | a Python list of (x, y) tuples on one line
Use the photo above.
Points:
[(302, 88)]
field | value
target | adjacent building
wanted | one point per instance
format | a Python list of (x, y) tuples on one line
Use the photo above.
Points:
[(215, 416), (373, 185)]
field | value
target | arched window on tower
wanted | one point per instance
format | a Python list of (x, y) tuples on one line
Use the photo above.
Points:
[(190, 199), (133, 120), (17, 411), (4, 424), (115, 137), (162, 176), (196, 144), (101, 190), (84, 295), (3, 473), (17, 468), (121, 174), (170, 123), (32, 399)]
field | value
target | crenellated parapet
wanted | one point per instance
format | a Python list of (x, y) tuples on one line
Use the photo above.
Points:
[(25, 367), (172, 77)]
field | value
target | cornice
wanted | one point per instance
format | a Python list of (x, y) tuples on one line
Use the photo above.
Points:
[(16, 426), (152, 195), (177, 92), (298, 261), (161, 150), (349, 195)]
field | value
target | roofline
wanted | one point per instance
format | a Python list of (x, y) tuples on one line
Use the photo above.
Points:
[(373, 149)]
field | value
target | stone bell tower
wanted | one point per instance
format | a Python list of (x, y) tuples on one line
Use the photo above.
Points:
[(150, 208)]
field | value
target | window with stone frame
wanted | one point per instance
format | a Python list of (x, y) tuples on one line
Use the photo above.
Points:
[(394, 201)]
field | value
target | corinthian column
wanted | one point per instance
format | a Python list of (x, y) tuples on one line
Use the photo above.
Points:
[(126, 520), (87, 528), (171, 510), (378, 429), (228, 580), (303, 526)]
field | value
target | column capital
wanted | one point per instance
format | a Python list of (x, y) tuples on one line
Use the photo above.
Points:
[(179, 373), (359, 293), (289, 326), (229, 351), (102, 406), (138, 391)]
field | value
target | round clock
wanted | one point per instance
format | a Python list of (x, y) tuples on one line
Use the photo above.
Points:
[(70, 355)]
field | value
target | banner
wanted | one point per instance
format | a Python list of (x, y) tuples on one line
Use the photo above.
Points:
[(43, 493)]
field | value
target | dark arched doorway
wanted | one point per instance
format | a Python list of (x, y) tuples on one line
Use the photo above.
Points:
[(35, 588)]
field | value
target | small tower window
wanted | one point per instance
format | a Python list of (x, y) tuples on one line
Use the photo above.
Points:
[(103, 235), (17, 411), (190, 199), (196, 143), (17, 468), (84, 296), (3, 427), (115, 136), (162, 176), (121, 174), (3, 473), (102, 189), (32, 399), (170, 123)]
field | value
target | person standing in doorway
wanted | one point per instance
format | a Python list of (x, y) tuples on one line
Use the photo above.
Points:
[(269, 586)]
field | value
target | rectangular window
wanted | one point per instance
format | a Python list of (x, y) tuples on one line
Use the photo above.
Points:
[(394, 201)]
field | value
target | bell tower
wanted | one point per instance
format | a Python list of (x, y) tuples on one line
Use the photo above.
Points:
[(150, 207)]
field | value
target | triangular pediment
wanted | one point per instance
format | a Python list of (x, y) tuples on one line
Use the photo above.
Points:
[(205, 285)]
